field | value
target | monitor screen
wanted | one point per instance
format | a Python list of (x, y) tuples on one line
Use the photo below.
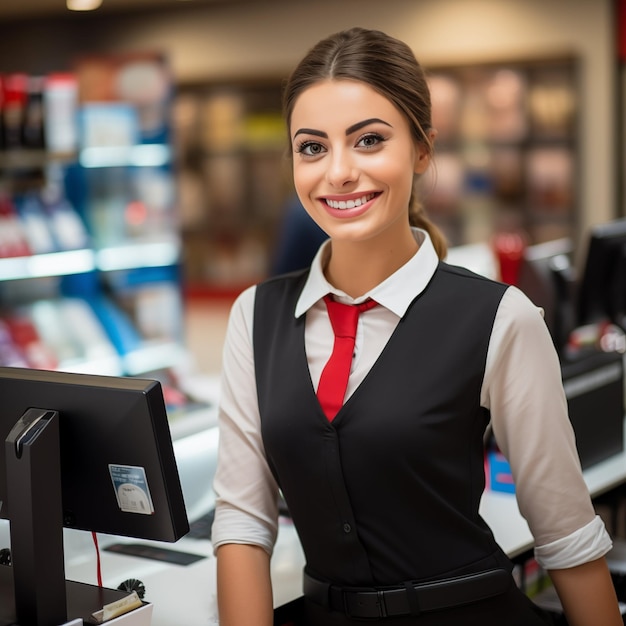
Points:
[(546, 277), (602, 288), (85, 452)]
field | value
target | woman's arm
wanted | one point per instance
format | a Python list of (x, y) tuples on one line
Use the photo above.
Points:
[(523, 390), (244, 588), (246, 516), (587, 594)]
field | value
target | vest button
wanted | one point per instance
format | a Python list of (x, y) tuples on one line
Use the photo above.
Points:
[(347, 528)]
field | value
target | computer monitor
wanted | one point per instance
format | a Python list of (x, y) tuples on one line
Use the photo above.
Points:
[(546, 276), (602, 288), (85, 452)]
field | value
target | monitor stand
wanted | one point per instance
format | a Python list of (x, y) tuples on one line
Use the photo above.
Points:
[(35, 512), (33, 589)]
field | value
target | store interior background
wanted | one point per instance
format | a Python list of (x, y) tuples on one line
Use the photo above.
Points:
[(226, 61)]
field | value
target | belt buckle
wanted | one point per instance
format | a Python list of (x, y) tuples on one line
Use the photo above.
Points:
[(364, 604)]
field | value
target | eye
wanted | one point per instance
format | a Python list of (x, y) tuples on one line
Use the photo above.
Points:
[(310, 148), (369, 141)]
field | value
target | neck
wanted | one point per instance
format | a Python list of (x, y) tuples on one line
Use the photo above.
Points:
[(358, 267)]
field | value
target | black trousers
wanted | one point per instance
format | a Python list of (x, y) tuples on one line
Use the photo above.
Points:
[(512, 608)]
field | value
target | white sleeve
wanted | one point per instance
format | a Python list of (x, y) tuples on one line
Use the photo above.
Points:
[(247, 494), (524, 392)]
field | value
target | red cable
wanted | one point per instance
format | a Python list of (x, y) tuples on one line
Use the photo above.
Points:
[(98, 564)]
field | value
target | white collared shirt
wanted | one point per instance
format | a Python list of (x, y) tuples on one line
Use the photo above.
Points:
[(522, 388)]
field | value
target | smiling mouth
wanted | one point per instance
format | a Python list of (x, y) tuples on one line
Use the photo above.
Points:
[(349, 204)]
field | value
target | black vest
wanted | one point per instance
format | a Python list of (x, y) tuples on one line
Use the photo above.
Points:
[(389, 491)]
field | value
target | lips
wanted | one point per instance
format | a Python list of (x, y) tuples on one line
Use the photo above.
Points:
[(349, 204)]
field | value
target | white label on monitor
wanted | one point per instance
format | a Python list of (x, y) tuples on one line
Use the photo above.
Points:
[(131, 489)]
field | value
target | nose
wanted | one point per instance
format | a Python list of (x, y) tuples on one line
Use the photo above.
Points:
[(341, 169)]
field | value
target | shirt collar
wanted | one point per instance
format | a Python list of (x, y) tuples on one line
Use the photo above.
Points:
[(395, 293)]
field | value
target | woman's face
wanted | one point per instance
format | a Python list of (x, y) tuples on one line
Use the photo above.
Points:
[(354, 159)]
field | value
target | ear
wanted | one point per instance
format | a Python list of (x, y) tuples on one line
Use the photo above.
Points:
[(423, 155)]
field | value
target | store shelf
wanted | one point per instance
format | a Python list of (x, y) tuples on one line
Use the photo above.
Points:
[(123, 257), (162, 252), (153, 356), (141, 155), (23, 158), (507, 149), (103, 366), (44, 265)]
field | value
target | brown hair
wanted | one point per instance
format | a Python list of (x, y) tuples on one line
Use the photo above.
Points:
[(387, 65)]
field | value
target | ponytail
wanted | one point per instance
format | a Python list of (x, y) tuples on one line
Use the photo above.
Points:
[(419, 219)]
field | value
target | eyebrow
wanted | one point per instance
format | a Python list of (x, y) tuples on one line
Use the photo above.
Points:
[(349, 130), (310, 131), (359, 125)]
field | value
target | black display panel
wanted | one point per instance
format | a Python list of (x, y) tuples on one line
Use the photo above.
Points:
[(602, 290), (85, 452)]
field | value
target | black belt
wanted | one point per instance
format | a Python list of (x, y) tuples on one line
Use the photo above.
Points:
[(410, 599)]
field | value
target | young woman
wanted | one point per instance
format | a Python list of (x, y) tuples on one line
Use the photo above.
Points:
[(384, 488)]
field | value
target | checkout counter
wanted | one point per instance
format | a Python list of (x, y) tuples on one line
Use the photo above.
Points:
[(180, 578), (185, 593)]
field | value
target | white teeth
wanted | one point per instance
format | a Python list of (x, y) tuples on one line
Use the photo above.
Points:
[(349, 204)]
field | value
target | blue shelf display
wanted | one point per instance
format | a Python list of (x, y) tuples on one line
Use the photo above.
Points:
[(92, 239)]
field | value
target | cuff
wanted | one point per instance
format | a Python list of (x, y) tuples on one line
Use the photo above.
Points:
[(234, 526), (582, 546)]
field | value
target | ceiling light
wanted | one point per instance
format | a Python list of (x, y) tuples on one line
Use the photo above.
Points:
[(83, 5)]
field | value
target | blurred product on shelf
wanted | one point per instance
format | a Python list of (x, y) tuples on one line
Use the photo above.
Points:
[(89, 247), (60, 113), (13, 238), (38, 113), (36, 226), (27, 341), (10, 354), (68, 229), (142, 80), (46, 222), (33, 134), (13, 110)]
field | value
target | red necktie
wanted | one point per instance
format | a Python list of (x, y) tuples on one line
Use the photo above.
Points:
[(334, 379)]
